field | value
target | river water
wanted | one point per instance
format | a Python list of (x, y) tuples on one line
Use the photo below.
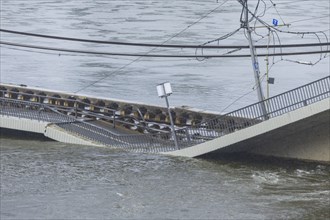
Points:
[(50, 180)]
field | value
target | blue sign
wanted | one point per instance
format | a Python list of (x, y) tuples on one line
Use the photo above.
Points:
[(275, 22), (256, 65)]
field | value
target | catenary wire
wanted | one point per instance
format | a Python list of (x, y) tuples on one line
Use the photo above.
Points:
[(162, 45), (155, 55), (138, 58)]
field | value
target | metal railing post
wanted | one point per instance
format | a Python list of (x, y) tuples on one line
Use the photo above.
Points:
[(75, 109), (114, 119), (188, 135)]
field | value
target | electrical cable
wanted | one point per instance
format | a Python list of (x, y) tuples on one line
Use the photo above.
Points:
[(159, 45), (309, 19), (221, 38), (294, 1), (59, 54), (236, 100), (137, 59), (264, 11), (114, 42), (274, 5), (273, 27), (155, 55), (275, 30)]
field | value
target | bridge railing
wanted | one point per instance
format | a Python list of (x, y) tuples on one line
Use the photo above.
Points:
[(30, 110), (80, 109), (69, 105), (132, 142), (157, 140), (253, 114)]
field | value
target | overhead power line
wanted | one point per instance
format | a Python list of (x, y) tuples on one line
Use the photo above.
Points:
[(278, 30), (160, 45), (309, 19), (156, 55), (152, 49)]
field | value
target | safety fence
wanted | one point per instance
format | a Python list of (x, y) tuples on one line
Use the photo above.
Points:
[(75, 118), (254, 114), (31, 110), (156, 141)]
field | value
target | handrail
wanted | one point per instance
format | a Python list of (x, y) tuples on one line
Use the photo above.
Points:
[(114, 118), (252, 114), (37, 111), (30, 110), (102, 113), (42, 97), (163, 140)]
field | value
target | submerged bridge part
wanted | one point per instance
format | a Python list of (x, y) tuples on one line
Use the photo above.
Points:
[(295, 125), (300, 134)]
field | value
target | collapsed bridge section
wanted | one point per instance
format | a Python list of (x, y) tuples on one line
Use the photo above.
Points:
[(144, 128)]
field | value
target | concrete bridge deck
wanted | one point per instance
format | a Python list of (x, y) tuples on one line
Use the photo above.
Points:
[(296, 124), (300, 134)]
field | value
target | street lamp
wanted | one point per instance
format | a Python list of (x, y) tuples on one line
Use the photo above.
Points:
[(164, 90)]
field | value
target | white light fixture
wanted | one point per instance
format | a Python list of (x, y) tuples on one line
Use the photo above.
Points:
[(164, 89)]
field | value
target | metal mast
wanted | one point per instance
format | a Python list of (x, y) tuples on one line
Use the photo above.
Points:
[(254, 58)]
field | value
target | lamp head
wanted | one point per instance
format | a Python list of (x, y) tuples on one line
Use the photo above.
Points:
[(164, 89)]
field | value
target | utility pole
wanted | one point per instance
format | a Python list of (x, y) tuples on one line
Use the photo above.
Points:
[(254, 58)]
